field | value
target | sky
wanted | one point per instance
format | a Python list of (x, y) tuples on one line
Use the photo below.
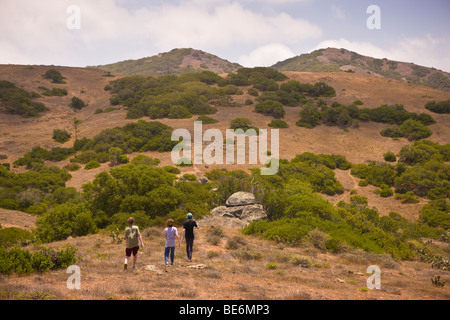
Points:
[(83, 33)]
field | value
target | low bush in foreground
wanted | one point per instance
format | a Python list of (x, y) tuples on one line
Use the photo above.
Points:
[(22, 261)]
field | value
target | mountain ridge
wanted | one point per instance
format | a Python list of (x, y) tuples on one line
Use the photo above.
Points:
[(343, 60), (176, 61), (186, 60)]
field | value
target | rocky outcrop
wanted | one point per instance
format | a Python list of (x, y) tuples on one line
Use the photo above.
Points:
[(240, 209), (246, 213)]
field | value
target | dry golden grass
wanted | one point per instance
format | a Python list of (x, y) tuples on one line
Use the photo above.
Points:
[(227, 275)]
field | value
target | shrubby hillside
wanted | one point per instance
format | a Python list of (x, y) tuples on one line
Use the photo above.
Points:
[(342, 60), (177, 61), (122, 167)]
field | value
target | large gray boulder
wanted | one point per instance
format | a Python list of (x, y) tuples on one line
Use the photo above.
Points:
[(239, 210), (246, 213), (240, 199)]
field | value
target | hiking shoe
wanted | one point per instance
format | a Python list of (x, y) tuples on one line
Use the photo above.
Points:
[(134, 267), (125, 266)]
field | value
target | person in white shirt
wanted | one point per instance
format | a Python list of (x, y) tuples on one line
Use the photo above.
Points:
[(171, 234)]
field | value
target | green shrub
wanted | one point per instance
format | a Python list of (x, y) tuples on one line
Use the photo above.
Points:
[(12, 236), (270, 107), (241, 123), (184, 162), (271, 266), (142, 159), (67, 256), (435, 213), (333, 245), (278, 123), (390, 157), (171, 169), (18, 260), (438, 107), (310, 115), (54, 76), (179, 112), (414, 130), (253, 92), (408, 197), (92, 165), (65, 220), (59, 92), (61, 136), (77, 103), (43, 259), (302, 261), (385, 191), (363, 183), (15, 100), (189, 177), (206, 120)]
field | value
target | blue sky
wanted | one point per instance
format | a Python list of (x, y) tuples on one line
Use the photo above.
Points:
[(250, 32)]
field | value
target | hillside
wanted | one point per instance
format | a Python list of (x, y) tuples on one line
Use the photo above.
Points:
[(257, 268), (176, 61), (338, 60), (19, 135)]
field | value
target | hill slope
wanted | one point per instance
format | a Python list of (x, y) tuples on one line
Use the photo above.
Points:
[(336, 60), (176, 61), (260, 269), (256, 269)]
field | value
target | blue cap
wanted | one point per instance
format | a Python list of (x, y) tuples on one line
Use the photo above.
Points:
[(189, 216)]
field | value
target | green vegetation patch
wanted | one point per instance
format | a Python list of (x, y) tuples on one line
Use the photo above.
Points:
[(15, 100)]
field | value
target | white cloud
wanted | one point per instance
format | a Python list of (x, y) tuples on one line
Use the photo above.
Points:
[(37, 29), (224, 26), (266, 55), (426, 51)]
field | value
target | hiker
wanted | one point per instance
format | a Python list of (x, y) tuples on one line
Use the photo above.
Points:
[(171, 234), (132, 239), (188, 234)]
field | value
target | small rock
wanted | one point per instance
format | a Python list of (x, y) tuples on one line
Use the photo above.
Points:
[(203, 180), (198, 266), (152, 268)]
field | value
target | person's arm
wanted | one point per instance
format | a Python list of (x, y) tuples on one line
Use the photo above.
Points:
[(140, 240), (183, 234)]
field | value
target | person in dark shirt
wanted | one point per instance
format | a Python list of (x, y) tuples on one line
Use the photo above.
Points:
[(188, 234)]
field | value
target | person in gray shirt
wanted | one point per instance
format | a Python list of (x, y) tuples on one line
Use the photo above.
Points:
[(132, 239)]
